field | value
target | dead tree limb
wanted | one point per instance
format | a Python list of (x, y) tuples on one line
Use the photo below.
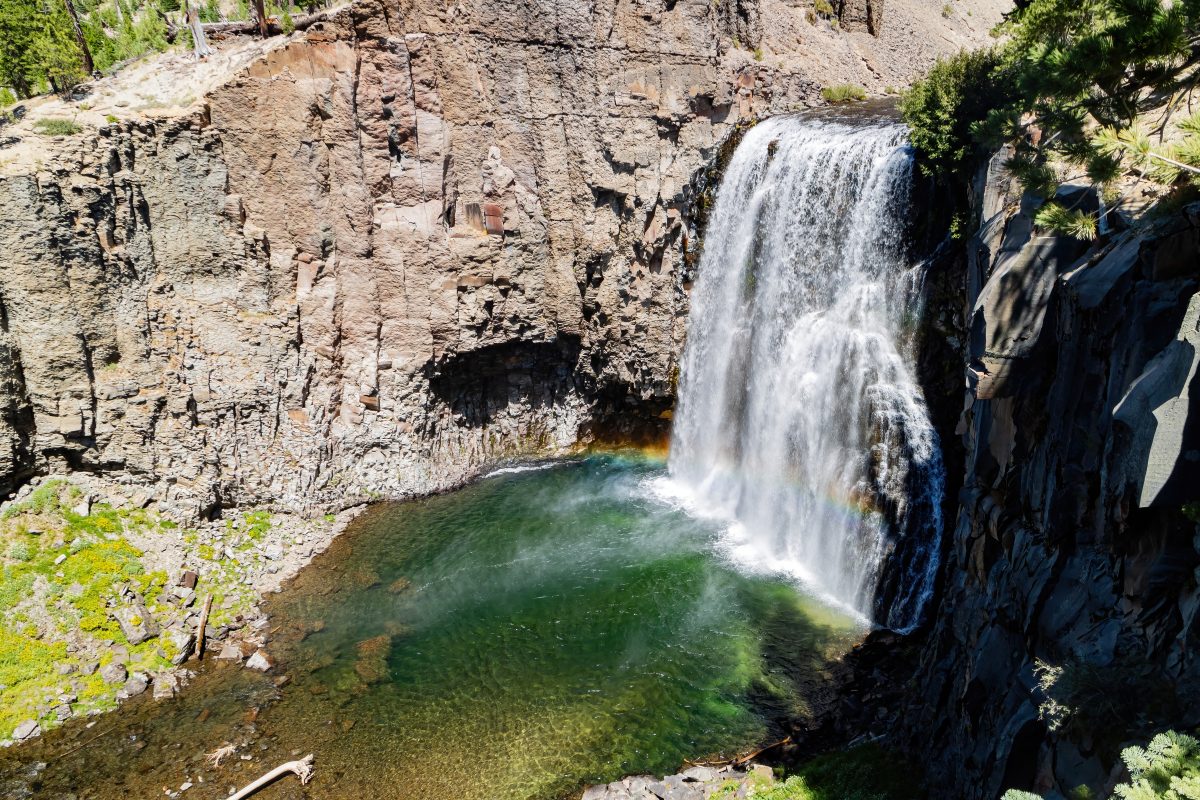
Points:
[(203, 624), (737, 762), (303, 769)]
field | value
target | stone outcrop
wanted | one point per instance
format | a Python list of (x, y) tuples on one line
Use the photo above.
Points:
[(1067, 624), (415, 238), (694, 783)]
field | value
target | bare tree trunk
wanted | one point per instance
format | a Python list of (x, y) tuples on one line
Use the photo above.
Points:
[(199, 43), (258, 13), (89, 66)]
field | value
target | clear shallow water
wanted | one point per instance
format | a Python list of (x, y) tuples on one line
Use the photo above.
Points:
[(521, 637)]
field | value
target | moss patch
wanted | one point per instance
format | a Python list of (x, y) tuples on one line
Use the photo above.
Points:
[(60, 571)]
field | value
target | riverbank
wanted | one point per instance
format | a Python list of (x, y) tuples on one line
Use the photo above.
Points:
[(103, 595)]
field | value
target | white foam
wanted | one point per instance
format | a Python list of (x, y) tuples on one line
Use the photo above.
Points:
[(514, 470)]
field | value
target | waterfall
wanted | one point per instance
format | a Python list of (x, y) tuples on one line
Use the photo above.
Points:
[(799, 418)]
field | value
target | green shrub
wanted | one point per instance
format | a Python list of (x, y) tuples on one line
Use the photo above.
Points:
[(20, 551), (111, 118), (823, 7), (1166, 769), (947, 11), (844, 93), (287, 24), (943, 109), (7, 98), (56, 127)]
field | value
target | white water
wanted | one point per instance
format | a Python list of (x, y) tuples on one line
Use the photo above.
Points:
[(799, 418)]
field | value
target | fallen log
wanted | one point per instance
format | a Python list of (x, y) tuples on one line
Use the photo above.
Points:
[(274, 27), (302, 769)]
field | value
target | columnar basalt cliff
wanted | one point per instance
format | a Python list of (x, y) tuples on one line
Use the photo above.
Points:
[(413, 239), (1067, 624)]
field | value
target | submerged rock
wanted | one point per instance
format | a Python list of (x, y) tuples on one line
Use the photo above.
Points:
[(260, 661)]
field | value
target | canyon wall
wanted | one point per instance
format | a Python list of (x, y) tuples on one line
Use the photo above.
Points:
[(413, 239), (1067, 624)]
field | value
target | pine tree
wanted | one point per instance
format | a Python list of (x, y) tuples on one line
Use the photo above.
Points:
[(18, 29)]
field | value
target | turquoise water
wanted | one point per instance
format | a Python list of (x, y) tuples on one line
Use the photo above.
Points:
[(536, 631)]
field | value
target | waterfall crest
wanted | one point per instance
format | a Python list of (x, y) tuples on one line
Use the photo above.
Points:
[(799, 418)]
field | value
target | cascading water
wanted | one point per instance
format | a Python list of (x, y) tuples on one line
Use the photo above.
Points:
[(799, 417)]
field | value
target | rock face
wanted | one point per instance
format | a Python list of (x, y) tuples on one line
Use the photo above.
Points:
[(1068, 621), (416, 238)]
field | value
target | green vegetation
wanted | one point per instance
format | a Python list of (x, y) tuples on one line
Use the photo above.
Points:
[(863, 773), (943, 109), (56, 127), (1110, 704), (62, 570), (843, 93), (63, 565), (39, 51), (1091, 87), (1166, 769), (823, 8)]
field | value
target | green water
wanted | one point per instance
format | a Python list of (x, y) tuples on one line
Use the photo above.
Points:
[(518, 638)]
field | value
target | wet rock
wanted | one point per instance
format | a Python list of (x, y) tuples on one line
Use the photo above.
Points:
[(26, 730), (229, 652), (166, 684), (260, 661), (113, 672), (136, 684)]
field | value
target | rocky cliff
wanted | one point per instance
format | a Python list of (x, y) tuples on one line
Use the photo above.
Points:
[(416, 238), (1067, 624)]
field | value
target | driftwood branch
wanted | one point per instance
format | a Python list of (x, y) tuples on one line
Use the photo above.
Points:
[(737, 762), (302, 769), (273, 26)]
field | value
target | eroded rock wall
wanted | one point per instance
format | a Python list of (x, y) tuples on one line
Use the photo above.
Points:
[(416, 238), (1073, 548)]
